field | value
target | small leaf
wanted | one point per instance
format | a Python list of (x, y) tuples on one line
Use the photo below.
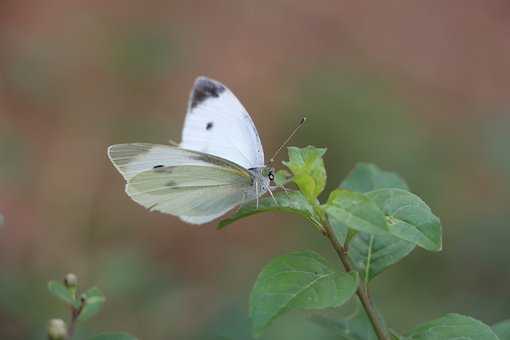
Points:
[(409, 218), (60, 291), (301, 280), (307, 166), (94, 301), (113, 336), (366, 177), (452, 327), (355, 211), (282, 177), (293, 202), (371, 254), (502, 329)]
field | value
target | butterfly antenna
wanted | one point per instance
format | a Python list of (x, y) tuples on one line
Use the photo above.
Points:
[(301, 122)]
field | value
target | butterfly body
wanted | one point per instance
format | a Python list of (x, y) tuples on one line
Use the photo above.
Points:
[(218, 165)]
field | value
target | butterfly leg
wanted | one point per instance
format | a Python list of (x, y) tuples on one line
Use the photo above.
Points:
[(271, 193), (283, 188), (257, 193)]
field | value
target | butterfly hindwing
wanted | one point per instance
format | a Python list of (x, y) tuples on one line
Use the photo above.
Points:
[(194, 186), (217, 123)]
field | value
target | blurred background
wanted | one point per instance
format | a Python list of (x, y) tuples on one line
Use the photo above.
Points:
[(417, 87)]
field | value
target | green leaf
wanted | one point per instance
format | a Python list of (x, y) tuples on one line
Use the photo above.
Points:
[(94, 301), (60, 291), (113, 336), (371, 254), (355, 327), (282, 177), (293, 202), (452, 327), (409, 218), (367, 177), (299, 280), (355, 211), (307, 166), (502, 329)]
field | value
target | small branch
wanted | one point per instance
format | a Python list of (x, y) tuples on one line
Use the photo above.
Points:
[(75, 314), (362, 290)]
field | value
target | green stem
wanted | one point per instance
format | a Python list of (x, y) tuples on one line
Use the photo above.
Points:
[(362, 290)]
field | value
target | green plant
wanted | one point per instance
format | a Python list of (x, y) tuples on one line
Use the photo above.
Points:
[(82, 307), (372, 221)]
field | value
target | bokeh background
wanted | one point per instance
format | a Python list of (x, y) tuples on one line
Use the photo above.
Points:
[(417, 87)]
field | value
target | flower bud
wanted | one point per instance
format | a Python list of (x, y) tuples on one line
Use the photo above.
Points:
[(57, 329), (71, 281)]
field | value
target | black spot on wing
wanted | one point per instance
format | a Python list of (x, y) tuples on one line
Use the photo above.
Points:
[(203, 89), (209, 126), (163, 169)]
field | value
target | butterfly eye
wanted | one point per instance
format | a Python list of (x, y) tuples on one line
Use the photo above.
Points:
[(271, 176)]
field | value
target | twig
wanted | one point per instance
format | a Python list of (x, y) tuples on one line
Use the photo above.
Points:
[(362, 290), (75, 314)]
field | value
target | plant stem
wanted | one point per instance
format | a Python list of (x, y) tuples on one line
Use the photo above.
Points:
[(362, 290), (75, 313)]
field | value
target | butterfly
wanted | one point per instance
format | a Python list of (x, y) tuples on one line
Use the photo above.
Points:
[(218, 165)]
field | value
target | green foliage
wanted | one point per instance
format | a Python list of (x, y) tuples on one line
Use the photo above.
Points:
[(293, 202), (409, 218), (298, 280), (367, 177), (352, 327), (502, 330), (82, 309), (309, 173), (282, 177), (372, 254), (452, 327), (94, 301), (355, 211), (63, 293), (372, 220), (113, 336)]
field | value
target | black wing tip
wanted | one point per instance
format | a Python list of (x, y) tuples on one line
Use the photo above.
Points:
[(205, 88)]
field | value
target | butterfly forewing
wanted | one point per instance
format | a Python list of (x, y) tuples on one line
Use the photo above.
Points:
[(218, 124)]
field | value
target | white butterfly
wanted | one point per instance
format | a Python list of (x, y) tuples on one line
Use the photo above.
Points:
[(218, 165)]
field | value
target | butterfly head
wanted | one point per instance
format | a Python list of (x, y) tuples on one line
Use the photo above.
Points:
[(268, 172)]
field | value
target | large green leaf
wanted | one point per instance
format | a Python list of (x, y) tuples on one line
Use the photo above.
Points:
[(367, 177), (308, 170), (452, 327), (369, 253), (372, 254), (502, 329), (300, 280), (94, 300), (409, 218), (113, 336), (63, 293), (354, 327), (355, 211), (293, 202)]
